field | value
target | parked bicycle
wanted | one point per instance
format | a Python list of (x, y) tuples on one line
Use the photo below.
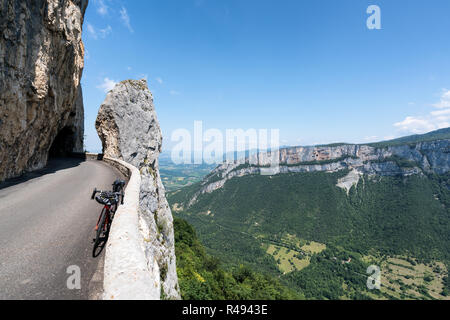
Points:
[(110, 201)]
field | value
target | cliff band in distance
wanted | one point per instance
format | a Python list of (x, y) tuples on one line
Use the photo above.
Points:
[(390, 160)]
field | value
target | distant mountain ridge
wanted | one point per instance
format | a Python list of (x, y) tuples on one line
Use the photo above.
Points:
[(405, 156), (439, 134), (329, 213)]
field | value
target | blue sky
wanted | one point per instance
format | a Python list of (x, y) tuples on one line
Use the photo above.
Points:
[(309, 68)]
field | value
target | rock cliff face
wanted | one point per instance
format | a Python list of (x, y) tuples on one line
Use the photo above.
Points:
[(129, 130), (408, 159), (41, 62)]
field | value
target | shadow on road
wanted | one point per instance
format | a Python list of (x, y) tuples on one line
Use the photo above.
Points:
[(53, 165)]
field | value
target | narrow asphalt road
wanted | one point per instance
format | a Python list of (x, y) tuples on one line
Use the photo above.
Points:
[(47, 222)]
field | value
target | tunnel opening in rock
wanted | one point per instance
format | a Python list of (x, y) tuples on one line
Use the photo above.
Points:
[(64, 143)]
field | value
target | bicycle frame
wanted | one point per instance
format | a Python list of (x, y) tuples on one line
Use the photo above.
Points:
[(106, 217), (108, 213)]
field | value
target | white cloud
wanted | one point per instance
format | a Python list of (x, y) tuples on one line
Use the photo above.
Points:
[(104, 32), (415, 125), (174, 93), (96, 33), (102, 8), (440, 113), (125, 18), (445, 100), (434, 120), (159, 80), (107, 84), (91, 30)]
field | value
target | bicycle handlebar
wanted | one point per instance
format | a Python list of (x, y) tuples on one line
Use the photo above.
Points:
[(115, 193), (94, 193)]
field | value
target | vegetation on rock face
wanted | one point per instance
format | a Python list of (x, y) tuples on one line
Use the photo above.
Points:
[(319, 239), (388, 216), (202, 277), (137, 84)]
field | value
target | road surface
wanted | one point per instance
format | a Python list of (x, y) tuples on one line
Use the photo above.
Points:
[(47, 224)]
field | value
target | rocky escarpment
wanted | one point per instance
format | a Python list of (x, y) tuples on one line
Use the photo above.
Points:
[(41, 63), (129, 130), (408, 159)]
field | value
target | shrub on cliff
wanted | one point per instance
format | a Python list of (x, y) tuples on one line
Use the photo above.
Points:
[(201, 276)]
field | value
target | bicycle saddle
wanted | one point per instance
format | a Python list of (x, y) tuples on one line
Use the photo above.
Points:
[(117, 184)]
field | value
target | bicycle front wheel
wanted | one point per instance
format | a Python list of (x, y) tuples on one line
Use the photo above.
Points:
[(100, 226)]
